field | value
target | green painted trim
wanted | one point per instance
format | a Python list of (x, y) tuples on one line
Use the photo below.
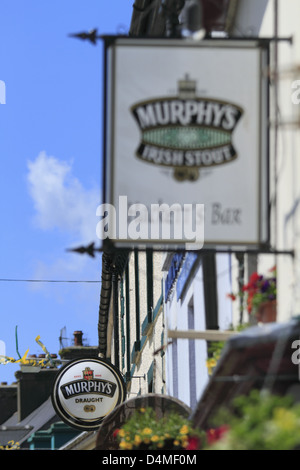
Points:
[(127, 293), (149, 269), (137, 294), (146, 323)]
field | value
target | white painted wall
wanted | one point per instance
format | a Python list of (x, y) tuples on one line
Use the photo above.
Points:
[(257, 17), (176, 313), (287, 230)]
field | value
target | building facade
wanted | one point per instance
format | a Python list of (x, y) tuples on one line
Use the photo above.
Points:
[(139, 330), (194, 301), (196, 288), (159, 312)]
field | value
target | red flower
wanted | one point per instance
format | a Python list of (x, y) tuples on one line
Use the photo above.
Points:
[(116, 432), (258, 289), (193, 443), (231, 296), (214, 435), (254, 278)]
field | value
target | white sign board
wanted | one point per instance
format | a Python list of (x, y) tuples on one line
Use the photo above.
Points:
[(87, 390), (187, 127)]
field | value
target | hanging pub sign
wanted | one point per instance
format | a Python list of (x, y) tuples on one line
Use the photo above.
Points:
[(186, 143), (86, 391)]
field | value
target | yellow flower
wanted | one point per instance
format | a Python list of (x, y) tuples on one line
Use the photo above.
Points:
[(184, 429), (147, 431), (184, 441), (176, 443), (285, 419), (121, 433), (125, 445), (155, 438), (211, 363), (142, 410), (137, 439)]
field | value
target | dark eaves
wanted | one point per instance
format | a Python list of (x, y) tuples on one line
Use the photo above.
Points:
[(147, 19), (113, 264)]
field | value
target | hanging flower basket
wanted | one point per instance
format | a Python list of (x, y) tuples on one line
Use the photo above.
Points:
[(144, 430), (259, 296)]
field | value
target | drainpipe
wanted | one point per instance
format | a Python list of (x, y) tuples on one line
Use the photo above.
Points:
[(110, 329), (113, 264), (116, 318)]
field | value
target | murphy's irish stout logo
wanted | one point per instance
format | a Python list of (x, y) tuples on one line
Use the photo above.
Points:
[(186, 132), (85, 391), (88, 384)]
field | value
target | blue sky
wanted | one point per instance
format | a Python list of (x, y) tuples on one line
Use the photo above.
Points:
[(50, 168)]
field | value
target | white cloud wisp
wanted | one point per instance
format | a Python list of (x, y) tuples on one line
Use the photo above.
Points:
[(60, 200)]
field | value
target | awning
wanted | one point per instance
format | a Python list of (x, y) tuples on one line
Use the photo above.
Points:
[(258, 358)]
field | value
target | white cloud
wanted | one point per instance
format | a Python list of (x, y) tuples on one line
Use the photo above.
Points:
[(60, 200)]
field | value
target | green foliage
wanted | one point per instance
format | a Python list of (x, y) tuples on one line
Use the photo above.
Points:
[(144, 428), (215, 349), (260, 421), (214, 352)]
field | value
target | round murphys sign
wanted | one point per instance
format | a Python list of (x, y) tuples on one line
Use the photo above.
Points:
[(87, 390)]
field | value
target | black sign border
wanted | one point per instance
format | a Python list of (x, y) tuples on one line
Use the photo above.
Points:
[(75, 422), (263, 242)]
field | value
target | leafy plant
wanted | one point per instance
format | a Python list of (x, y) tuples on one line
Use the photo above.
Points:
[(145, 430), (215, 349), (260, 421), (214, 352)]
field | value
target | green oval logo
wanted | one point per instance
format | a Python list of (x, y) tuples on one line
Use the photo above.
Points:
[(186, 132)]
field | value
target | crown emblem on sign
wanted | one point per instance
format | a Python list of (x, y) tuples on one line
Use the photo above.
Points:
[(88, 373), (186, 88)]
